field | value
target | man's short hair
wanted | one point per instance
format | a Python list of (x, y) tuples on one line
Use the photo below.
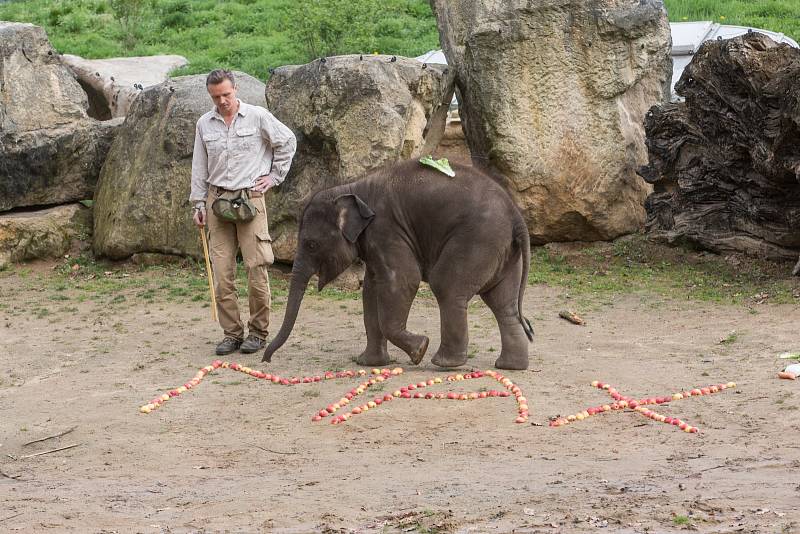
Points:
[(219, 76)]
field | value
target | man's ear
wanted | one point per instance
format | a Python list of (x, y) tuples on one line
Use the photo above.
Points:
[(353, 215)]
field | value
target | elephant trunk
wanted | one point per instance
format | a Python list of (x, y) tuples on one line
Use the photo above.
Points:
[(297, 289)]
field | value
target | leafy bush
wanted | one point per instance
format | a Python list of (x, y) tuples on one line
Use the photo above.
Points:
[(130, 15)]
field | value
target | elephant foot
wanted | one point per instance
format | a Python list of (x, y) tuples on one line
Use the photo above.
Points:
[(373, 358), (441, 359), (513, 363), (419, 353)]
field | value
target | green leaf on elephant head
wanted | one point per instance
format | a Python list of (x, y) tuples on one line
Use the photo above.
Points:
[(441, 165)]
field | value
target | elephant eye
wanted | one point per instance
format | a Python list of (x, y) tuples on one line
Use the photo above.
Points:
[(312, 245)]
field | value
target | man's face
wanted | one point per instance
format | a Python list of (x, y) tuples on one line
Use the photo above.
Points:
[(224, 96)]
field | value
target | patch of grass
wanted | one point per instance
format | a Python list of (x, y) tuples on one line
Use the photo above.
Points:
[(777, 15), (247, 35), (333, 293), (680, 520), (632, 265), (730, 339)]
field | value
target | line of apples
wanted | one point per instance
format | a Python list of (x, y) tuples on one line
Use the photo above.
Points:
[(275, 379), (623, 402), (378, 376), (409, 392)]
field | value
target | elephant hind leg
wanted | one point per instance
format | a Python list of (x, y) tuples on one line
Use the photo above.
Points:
[(502, 300)]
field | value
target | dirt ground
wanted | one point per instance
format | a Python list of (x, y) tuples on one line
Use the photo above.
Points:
[(241, 455)]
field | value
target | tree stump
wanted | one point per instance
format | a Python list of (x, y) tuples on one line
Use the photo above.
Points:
[(725, 164)]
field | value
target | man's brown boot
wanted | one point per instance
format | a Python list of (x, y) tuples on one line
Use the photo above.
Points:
[(252, 344), (228, 345)]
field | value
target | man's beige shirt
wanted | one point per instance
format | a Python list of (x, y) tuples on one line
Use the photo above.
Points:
[(232, 157)]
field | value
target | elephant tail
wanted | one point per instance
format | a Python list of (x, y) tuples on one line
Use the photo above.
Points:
[(523, 241)]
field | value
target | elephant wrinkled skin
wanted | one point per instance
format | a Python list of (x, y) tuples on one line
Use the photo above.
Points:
[(409, 223)]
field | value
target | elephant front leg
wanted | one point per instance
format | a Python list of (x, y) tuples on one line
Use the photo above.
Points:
[(455, 337), (394, 303), (375, 354)]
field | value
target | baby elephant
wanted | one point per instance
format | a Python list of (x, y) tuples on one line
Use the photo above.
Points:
[(408, 222)]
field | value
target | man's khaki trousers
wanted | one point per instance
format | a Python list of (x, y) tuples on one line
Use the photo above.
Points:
[(255, 243)]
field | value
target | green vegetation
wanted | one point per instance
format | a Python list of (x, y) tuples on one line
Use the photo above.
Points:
[(636, 265), (588, 276), (776, 15), (248, 35), (112, 286), (256, 35), (680, 520), (730, 339)]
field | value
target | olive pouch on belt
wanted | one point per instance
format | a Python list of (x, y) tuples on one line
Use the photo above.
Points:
[(234, 206)]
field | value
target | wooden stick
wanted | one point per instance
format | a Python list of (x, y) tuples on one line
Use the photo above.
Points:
[(270, 450), (571, 317), (210, 275), (50, 437), (51, 450), (11, 517)]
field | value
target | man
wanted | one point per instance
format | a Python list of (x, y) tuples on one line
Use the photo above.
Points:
[(238, 148)]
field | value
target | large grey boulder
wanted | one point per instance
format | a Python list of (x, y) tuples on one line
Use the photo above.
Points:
[(51, 151), (42, 234), (141, 203), (113, 84), (350, 114), (553, 94)]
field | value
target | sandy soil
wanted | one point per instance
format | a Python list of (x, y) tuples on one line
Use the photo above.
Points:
[(241, 455)]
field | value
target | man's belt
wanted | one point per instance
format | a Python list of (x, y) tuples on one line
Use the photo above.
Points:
[(219, 190)]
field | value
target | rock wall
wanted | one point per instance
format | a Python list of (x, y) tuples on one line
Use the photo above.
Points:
[(113, 84), (42, 234), (553, 94), (51, 151)]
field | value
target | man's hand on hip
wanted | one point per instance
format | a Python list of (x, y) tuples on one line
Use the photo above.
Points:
[(199, 216), (263, 183)]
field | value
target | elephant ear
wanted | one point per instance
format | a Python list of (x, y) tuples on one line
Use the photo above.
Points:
[(354, 215)]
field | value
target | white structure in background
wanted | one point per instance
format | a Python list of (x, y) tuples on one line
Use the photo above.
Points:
[(686, 40)]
